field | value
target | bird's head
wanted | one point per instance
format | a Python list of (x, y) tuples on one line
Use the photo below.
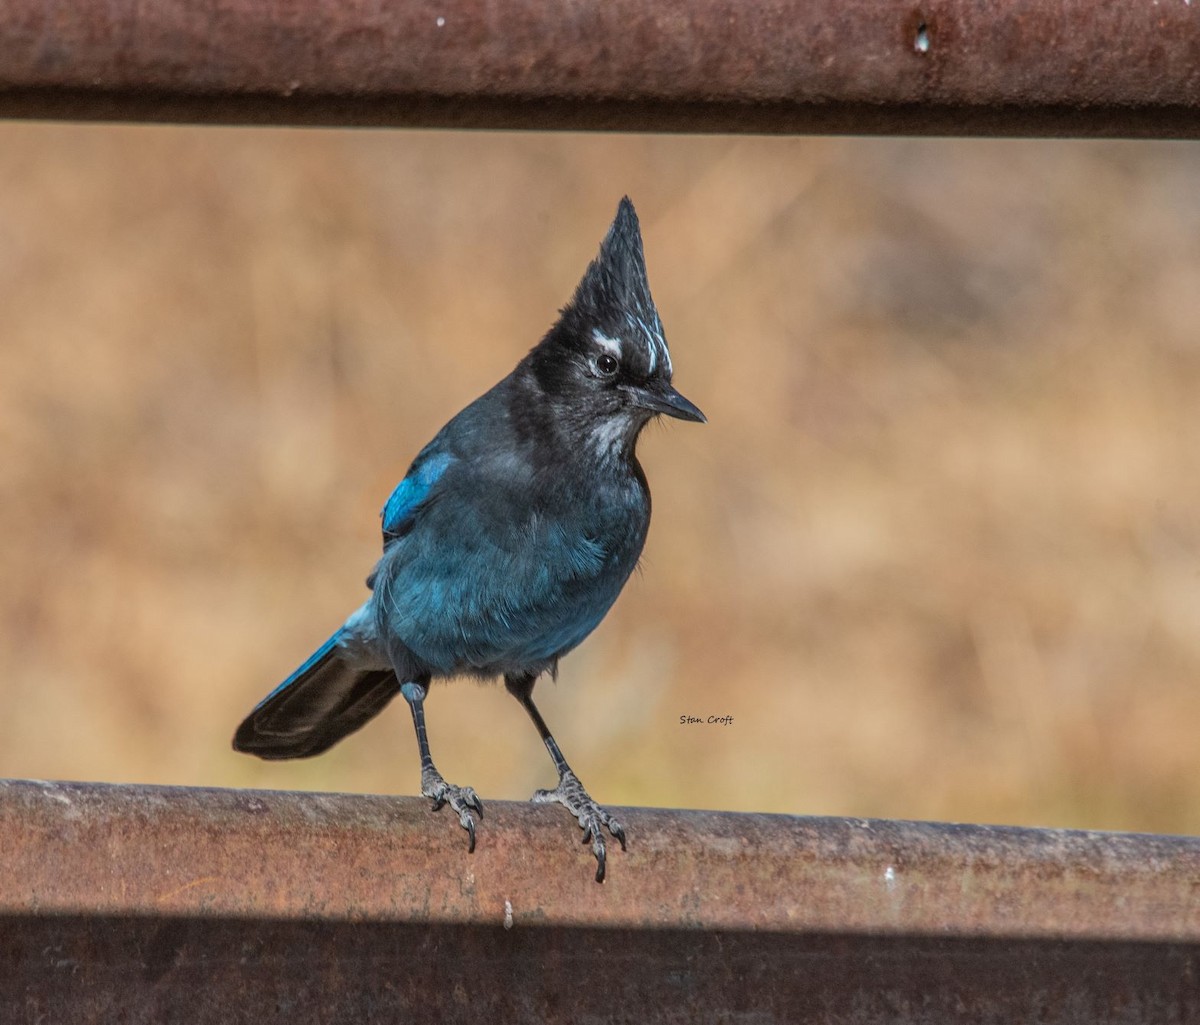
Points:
[(605, 364)]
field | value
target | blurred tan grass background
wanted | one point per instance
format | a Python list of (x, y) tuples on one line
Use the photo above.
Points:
[(937, 552)]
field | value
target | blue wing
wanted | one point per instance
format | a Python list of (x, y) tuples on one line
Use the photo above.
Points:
[(400, 511)]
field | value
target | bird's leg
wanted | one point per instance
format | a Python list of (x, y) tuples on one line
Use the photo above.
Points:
[(570, 793), (463, 800)]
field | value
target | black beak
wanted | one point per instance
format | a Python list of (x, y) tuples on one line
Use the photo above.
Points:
[(665, 399)]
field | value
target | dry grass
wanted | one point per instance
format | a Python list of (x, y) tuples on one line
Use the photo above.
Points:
[(938, 551)]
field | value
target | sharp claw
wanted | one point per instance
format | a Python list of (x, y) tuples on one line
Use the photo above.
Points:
[(617, 831), (460, 799), (591, 817)]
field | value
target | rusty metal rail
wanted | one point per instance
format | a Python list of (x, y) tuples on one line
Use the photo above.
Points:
[(1044, 67), (222, 905)]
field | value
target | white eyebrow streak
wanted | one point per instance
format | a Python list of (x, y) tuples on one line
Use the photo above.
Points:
[(656, 345), (613, 345)]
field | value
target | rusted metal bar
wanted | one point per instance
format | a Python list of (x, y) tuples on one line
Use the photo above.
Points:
[(184, 852), (223, 905), (1042, 67)]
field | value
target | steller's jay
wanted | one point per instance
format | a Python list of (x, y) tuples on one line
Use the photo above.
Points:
[(508, 540)]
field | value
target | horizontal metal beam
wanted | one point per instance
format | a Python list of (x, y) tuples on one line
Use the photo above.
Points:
[(176, 904), (290, 855), (1041, 67)]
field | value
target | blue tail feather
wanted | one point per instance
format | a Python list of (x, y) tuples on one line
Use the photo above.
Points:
[(326, 699)]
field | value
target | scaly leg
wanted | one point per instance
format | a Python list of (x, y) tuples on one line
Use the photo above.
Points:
[(463, 800), (569, 793)]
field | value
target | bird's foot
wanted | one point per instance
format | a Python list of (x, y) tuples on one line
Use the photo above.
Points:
[(463, 800), (593, 819)]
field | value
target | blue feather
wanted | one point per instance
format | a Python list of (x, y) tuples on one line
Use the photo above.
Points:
[(334, 693), (310, 663), (401, 507)]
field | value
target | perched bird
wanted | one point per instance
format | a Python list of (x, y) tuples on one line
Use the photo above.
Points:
[(507, 541)]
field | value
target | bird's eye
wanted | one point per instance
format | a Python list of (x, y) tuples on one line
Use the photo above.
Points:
[(606, 365)]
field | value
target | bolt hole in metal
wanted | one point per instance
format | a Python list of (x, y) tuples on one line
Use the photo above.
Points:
[(921, 41)]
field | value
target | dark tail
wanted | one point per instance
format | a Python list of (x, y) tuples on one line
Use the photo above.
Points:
[(323, 701)]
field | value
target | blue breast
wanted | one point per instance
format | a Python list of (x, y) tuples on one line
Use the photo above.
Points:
[(476, 588)]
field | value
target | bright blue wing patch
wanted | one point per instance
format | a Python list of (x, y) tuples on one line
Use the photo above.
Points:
[(400, 510)]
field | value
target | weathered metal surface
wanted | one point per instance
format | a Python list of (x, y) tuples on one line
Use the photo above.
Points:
[(938, 66), (150, 971), (177, 851), (74, 848), (149, 904)]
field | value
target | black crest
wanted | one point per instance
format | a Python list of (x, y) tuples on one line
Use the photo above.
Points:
[(613, 298), (616, 279)]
